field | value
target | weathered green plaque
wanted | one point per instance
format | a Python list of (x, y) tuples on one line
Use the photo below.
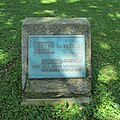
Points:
[(56, 56)]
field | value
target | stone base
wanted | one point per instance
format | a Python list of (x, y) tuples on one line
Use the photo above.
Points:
[(53, 91), (79, 100)]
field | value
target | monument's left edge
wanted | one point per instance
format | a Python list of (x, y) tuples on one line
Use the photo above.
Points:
[(24, 55)]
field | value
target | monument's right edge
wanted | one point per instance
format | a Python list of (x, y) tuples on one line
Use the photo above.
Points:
[(88, 52)]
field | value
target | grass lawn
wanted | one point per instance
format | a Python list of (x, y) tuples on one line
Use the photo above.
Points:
[(104, 16)]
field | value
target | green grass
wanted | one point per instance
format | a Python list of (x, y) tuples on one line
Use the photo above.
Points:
[(104, 16)]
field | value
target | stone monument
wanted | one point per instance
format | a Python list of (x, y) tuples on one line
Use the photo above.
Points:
[(56, 60)]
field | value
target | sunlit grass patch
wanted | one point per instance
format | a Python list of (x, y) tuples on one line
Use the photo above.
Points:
[(107, 74), (48, 1), (105, 46), (4, 57), (71, 1), (50, 12)]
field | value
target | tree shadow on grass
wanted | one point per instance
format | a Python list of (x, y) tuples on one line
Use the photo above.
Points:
[(105, 20)]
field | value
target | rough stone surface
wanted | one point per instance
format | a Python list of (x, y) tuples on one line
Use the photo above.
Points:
[(55, 89)]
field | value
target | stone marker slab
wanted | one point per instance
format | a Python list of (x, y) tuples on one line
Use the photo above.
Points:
[(56, 60)]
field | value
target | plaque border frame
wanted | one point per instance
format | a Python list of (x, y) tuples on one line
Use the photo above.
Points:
[(57, 36)]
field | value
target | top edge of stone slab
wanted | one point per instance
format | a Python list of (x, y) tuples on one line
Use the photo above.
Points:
[(54, 20)]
